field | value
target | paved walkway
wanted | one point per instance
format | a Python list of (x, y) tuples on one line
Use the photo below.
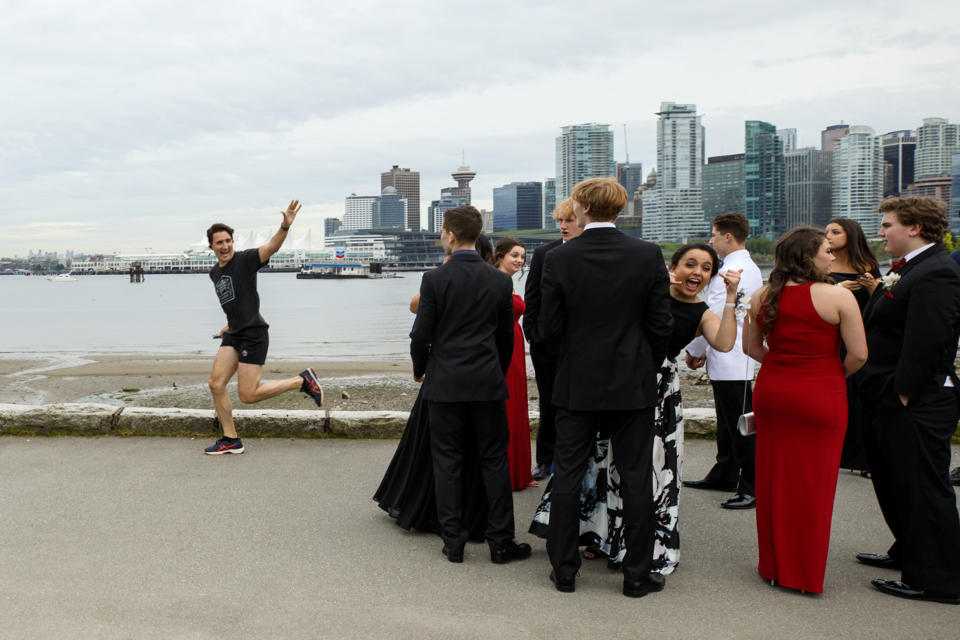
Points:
[(147, 538)]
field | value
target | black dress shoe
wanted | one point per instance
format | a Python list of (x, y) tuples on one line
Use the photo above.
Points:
[(740, 501), (453, 554), (566, 585), (881, 560), (713, 485), (897, 588), (541, 472), (508, 551), (638, 588)]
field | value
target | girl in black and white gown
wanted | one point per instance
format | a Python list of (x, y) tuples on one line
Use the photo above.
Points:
[(601, 513)]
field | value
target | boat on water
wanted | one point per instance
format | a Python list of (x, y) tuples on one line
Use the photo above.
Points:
[(341, 269), (62, 277)]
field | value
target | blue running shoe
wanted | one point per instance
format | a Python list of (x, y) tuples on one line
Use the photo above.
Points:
[(224, 445), (311, 386)]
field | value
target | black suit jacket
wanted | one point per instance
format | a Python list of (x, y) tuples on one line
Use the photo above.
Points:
[(531, 293), (462, 338), (912, 332), (606, 299)]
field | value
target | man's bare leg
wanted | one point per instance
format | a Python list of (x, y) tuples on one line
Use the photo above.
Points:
[(224, 366), (250, 390)]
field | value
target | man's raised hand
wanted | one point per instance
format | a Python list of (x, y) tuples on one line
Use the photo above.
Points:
[(291, 213)]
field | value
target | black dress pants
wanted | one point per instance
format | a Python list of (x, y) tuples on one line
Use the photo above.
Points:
[(908, 449), (545, 369), (631, 438), (735, 452), (455, 426)]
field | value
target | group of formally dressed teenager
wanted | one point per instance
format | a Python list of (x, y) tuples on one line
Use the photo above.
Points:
[(856, 369)]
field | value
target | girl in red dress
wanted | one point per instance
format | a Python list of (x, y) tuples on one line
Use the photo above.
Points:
[(794, 329), (510, 256)]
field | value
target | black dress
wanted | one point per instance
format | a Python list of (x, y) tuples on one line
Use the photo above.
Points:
[(407, 490), (853, 456)]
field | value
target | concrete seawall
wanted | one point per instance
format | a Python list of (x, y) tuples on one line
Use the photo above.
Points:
[(103, 419)]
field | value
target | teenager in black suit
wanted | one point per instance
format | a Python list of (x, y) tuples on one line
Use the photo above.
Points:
[(461, 344), (909, 394), (606, 300), (544, 353)]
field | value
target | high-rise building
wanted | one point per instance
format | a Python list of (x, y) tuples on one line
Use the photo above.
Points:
[(583, 151), (723, 186), (939, 187), (630, 176), (937, 141), (463, 176), (331, 225), (549, 203), (518, 205), (358, 211), (809, 183), (830, 136), (407, 184), (673, 209), (763, 179), (953, 214), (789, 139), (858, 178), (898, 157), (390, 211), (438, 207)]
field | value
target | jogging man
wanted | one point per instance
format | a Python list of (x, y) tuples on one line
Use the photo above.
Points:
[(243, 349)]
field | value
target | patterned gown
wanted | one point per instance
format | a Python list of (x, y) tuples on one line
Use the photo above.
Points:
[(601, 507)]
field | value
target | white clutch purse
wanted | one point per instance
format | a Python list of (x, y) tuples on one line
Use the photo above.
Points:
[(746, 425)]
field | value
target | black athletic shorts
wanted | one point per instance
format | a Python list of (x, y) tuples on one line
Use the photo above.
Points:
[(251, 345)]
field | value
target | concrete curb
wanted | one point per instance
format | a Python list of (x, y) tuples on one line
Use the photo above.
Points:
[(104, 419)]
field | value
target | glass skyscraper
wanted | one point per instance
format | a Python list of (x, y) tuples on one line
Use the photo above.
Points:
[(898, 158), (518, 205), (954, 213), (549, 203), (858, 178), (583, 151), (723, 186), (763, 176), (937, 141), (809, 184)]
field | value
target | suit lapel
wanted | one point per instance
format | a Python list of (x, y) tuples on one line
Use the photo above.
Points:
[(904, 270)]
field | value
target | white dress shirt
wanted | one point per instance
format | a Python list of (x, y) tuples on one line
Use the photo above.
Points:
[(734, 364)]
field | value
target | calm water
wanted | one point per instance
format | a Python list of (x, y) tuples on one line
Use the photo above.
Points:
[(177, 314)]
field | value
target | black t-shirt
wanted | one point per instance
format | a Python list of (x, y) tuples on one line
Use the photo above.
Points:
[(686, 319), (236, 287)]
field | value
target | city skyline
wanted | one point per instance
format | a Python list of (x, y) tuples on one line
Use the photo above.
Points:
[(138, 129)]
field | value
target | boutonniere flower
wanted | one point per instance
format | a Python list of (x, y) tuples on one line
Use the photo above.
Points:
[(739, 306), (889, 281)]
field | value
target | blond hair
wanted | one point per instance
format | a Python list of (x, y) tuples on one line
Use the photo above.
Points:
[(605, 198)]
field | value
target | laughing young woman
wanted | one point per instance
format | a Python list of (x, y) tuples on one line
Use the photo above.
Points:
[(601, 531)]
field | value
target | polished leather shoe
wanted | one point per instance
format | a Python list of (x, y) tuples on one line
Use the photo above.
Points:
[(713, 485), (897, 588), (740, 501), (881, 560), (638, 588), (566, 585), (541, 472), (508, 551), (453, 554)]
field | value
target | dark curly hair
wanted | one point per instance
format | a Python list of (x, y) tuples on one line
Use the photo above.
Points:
[(929, 213), (792, 260)]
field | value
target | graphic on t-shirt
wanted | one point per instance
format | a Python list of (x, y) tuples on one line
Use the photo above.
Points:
[(225, 290)]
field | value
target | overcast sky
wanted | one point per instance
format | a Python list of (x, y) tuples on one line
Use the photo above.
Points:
[(134, 125)]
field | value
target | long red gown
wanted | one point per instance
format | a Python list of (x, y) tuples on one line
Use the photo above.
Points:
[(518, 452), (800, 408)]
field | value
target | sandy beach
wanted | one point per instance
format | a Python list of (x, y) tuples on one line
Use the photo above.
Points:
[(139, 380)]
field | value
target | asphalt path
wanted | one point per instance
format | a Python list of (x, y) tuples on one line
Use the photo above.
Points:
[(148, 538)]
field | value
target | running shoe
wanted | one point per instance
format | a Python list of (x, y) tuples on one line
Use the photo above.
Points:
[(224, 445), (311, 386)]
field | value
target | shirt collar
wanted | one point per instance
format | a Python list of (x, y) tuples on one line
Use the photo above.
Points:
[(464, 252), (599, 225), (736, 255), (916, 252)]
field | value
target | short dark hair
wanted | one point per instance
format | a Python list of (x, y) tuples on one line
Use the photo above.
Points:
[(215, 228), (929, 213), (465, 223), (484, 248), (736, 224)]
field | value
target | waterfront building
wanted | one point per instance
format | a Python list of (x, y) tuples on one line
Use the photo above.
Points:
[(549, 203), (937, 141), (898, 159), (673, 209), (518, 205), (331, 226), (630, 176), (788, 137), (583, 151), (407, 184), (358, 211), (858, 178), (487, 217), (437, 208), (723, 186), (763, 179), (832, 134), (808, 186), (939, 187), (463, 176), (390, 211)]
